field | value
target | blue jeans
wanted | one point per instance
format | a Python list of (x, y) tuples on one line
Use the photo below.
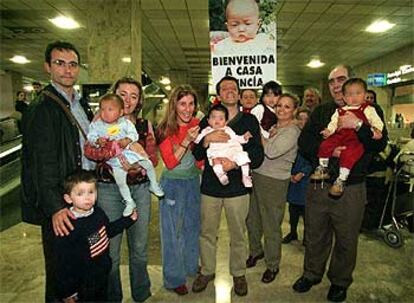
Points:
[(180, 229), (110, 200)]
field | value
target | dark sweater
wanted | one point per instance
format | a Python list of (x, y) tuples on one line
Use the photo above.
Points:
[(310, 139), (83, 262), (210, 184)]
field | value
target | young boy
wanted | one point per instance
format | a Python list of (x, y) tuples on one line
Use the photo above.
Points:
[(242, 25), (83, 261), (121, 133), (354, 91), (232, 149)]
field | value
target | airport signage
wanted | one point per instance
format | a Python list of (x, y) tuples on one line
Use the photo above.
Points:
[(397, 76)]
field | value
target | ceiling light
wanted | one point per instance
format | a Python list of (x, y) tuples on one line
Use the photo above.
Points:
[(315, 63), (168, 87), (19, 59), (165, 81), (379, 26), (65, 22), (126, 59), (28, 88)]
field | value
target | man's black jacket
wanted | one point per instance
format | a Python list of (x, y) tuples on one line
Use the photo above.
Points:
[(51, 151)]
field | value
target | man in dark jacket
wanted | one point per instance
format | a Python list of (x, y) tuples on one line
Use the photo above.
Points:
[(53, 149), (234, 197), (328, 217)]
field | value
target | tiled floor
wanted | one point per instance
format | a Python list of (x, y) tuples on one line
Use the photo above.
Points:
[(383, 274)]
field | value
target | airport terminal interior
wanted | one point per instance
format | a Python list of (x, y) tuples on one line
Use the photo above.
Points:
[(164, 43)]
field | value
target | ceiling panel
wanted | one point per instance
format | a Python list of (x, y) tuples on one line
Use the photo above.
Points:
[(175, 34)]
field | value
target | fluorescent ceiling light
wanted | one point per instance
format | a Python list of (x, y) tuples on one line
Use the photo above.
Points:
[(19, 59), (168, 87), (28, 88), (65, 22), (379, 26), (126, 59), (315, 63), (165, 81)]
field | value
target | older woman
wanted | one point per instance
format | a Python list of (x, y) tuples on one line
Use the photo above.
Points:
[(110, 200), (180, 179), (270, 185)]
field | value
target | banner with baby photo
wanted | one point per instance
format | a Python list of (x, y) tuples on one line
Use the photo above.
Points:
[(243, 41)]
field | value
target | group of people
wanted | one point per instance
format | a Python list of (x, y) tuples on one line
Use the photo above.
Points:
[(87, 183)]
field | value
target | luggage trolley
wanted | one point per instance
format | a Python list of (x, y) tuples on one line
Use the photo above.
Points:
[(401, 205)]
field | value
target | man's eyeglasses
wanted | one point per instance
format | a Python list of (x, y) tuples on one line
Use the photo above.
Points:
[(62, 63)]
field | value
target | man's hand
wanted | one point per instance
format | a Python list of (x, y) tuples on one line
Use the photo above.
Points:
[(227, 164), (247, 135), (337, 151), (61, 222), (134, 215), (349, 120), (216, 136), (325, 133), (376, 133)]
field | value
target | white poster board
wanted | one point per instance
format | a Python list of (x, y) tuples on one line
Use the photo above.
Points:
[(244, 46)]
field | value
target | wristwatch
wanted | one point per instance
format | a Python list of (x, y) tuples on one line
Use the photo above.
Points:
[(358, 125)]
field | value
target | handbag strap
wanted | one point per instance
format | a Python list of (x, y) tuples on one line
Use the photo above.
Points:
[(68, 113)]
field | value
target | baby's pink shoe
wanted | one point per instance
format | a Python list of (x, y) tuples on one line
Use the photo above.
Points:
[(247, 181)]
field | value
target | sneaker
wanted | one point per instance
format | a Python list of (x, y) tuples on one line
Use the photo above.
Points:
[(320, 173), (129, 208), (247, 181), (240, 286), (156, 190), (224, 179), (201, 282), (289, 238), (337, 189), (304, 284)]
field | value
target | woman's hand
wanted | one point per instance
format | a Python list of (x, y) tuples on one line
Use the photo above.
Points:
[(216, 136), (123, 143), (192, 134), (272, 131), (131, 168)]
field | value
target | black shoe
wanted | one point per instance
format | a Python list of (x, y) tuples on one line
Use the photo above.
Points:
[(336, 293), (303, 284), (251, 261), (269, 275), (289, 238), (240, 286)]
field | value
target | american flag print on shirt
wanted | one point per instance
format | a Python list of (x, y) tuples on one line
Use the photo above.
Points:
[(98, 242)]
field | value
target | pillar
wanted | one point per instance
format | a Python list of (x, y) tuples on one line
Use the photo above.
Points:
[(114, 31)]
